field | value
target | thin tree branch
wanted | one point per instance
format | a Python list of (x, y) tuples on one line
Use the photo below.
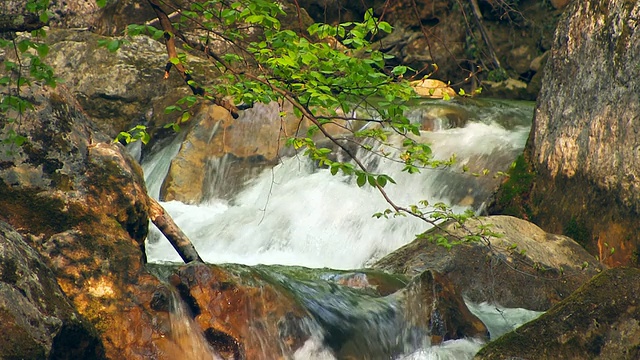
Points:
[(169, 37), (172, 232)]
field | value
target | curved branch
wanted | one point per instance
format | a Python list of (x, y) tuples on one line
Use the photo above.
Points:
[(169, 37)]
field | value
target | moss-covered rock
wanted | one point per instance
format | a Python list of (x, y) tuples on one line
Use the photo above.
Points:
[(89, 227), (601, 320)]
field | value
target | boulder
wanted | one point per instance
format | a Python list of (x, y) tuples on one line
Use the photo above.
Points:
[(433, 302), (80, 201), (218, 148), (601, 320), (119, 89), (495, 269), (582, 155), (242, 315), (267, 312), (37, 319)]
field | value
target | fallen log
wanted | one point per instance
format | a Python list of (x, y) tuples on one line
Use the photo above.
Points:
[(172, 232)]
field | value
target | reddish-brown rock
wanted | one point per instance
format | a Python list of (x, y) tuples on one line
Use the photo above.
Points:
[(80, 200), (241, 314)]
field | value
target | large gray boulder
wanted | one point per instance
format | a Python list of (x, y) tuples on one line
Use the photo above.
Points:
[(519, 258), (599, 321)]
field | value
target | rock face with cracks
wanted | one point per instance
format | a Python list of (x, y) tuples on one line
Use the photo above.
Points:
[(582, 153)]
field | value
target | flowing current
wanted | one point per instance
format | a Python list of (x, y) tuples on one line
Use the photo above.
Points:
[(297, 214)]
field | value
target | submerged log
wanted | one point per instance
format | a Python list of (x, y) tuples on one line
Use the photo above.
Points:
[(172, 232)]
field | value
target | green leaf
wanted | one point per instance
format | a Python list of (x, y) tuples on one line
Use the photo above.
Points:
[(399, 70), (24, 45), (42, 50), (171, 108), (371, 180), (101, 3), (113, 45), (361, 180)]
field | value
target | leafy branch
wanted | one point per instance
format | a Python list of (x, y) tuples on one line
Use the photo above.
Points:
[(322, 81)]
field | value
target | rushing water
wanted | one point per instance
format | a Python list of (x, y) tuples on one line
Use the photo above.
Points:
[(297, 214)]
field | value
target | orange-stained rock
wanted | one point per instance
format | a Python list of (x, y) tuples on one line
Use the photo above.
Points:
[(559, 4), (434, 89), (218, 148), (241, 313), (37, 320), (80, 201)]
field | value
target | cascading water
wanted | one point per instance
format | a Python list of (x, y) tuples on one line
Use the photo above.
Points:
[(297, 214)]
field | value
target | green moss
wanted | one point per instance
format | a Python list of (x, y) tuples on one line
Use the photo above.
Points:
[(26, 209), (513, 192), (578, 231), (20, 344), (8, 271)]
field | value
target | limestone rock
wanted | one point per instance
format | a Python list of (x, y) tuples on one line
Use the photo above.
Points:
[(522, 254), (122, 89), (37, 319), (601, 320)]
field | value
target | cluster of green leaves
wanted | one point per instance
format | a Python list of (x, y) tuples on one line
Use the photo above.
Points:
[(331, 74), (21, 66)]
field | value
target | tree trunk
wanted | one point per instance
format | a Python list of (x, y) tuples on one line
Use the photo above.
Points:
[(172, 232)]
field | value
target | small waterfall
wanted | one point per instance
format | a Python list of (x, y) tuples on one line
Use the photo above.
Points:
[(183, 338), (297, 214)]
